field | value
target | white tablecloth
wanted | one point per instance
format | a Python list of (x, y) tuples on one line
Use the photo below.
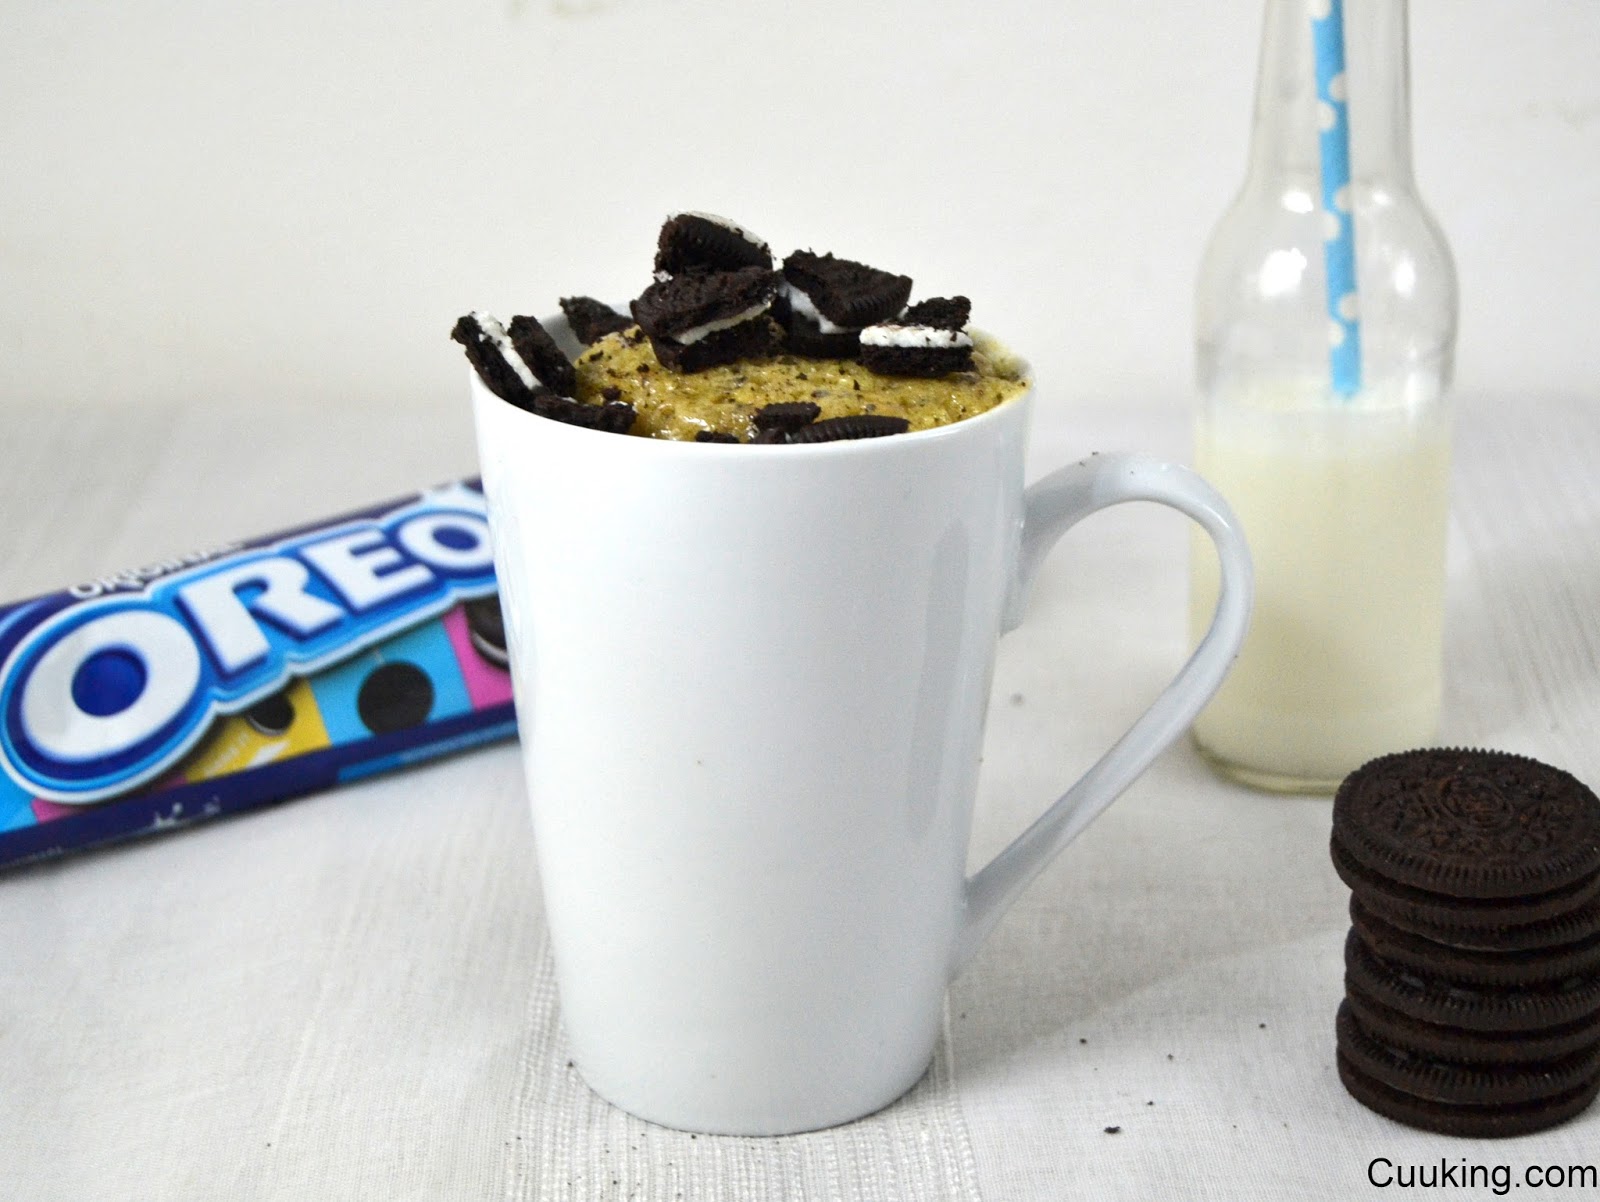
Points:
[(350, 996)]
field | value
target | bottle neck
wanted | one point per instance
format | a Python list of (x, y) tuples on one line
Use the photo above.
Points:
[(1283, 141)]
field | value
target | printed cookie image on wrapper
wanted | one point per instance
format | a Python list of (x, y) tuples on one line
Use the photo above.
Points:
[(260, 671)]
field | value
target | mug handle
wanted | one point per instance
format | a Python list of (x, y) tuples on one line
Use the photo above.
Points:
[(1051, 507)]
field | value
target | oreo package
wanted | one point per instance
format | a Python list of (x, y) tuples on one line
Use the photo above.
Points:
[(249, 673)]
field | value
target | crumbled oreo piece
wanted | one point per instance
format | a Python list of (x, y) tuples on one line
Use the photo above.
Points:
[(539, 351), (702, 319), (496, 361), (940, 312), (613, 417), (848, 294), (591, 320), (1469, 823), (805, 336), (851, 426), (894, 348), (706, 242), (825, 302), (786, 416), (616, 417), (755, 339), (715, 436), (681, 307)]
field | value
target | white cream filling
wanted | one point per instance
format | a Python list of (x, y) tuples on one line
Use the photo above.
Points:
[(496, 333), (696, 333), (800, 302), (924, 337)]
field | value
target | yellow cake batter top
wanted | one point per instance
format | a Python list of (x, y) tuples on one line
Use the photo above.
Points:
[(669, 404)]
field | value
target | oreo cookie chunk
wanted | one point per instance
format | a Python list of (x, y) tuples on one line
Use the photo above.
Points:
[(1469, 824), (612, 417), (703, 319), (849, 427), (497, 362), (548, 362), (591, 320), (825, 302), (930, 340), (785, 417), (706, 242)]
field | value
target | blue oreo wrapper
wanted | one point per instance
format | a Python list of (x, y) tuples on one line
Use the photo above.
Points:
[(249, 673)]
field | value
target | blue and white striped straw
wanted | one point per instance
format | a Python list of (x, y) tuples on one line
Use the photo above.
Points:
[(1339, 232)]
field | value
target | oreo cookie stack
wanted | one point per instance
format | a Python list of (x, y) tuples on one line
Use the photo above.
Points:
[(1472, 967)]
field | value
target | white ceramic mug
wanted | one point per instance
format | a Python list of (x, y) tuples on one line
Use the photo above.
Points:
[(751, 683)]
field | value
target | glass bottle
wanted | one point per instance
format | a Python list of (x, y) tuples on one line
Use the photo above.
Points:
[(1342, 490)]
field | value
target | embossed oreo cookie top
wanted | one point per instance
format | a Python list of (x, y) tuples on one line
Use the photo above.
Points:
[(706, 242), (1469, 823)]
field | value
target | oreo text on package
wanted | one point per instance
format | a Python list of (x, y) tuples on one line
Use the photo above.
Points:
[(250, 673)]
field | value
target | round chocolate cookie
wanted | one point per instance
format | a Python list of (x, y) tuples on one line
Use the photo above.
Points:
[(1422, 909), (1444, 1080), (1536, 966), (395, 696), (1471, 1121), (1451, 1003), (1574, 926), (1469, 823), (1470, 1047), (271, 716), (486, 629)]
